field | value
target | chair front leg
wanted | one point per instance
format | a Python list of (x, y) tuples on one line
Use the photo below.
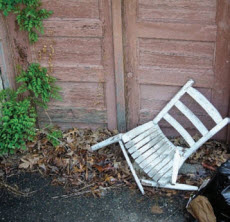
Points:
[(106, 142), (131, 168)]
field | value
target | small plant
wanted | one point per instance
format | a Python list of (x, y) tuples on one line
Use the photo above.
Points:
[(54, 135), (40, 85), (17, 122), (29, 15)]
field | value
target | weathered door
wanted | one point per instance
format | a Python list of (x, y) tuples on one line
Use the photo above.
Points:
[(168, 42), (77, 48)]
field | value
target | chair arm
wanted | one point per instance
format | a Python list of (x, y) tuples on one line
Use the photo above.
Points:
[(106, 142)]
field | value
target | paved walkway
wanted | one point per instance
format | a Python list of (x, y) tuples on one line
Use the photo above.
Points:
[(121, 205)]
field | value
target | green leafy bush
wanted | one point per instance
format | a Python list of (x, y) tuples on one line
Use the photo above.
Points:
[(18, 118), (17, 122), (29, 15), (42, 86)]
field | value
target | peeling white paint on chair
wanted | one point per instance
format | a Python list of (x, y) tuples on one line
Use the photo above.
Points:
[(154, 153)]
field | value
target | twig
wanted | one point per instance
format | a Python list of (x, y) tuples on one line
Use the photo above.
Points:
[(13, 189), (87, 191)]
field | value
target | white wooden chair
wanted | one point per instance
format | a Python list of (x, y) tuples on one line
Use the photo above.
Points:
[(154, 153)]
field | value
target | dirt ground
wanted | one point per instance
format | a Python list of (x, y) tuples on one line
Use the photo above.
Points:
[(118, 205)]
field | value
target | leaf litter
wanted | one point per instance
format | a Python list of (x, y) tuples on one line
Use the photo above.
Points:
[(82, 171)]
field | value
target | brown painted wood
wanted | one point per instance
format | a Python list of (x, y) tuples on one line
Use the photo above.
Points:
[(6, 59), (183, 11), (169, 42), (81, 95), (130, 46), (221, 88), (73, 8), (166, 30), (74, 115), (108, 62), (119, 65), (77, 49), (73, 28)]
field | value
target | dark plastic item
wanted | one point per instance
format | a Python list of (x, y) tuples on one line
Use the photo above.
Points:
[(218, 192)]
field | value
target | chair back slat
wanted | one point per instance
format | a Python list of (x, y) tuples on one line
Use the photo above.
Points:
[(180, 129), (172, 102), (205, 104), (192, 117)]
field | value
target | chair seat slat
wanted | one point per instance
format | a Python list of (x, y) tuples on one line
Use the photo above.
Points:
[(146, 140), (157, 158), (160, 162), (180, 129), (147, 154), (166, 169), (150, 161), (146, 147), (138, 130), (205, 104), (140, 137)]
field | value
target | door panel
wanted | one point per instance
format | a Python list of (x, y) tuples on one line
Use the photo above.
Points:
[(168, 42)]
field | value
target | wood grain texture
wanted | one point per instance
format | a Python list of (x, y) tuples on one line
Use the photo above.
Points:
[(79, 73), (161, 30), (73, 28), (176, 54), (73, 8), (69, 125), (150, 96), (119, 65), (80, 35), (73, 115), (108, 63), (175, 76), (69, 51), (221, 88), (131, 53), (80, 95), (182, 11)]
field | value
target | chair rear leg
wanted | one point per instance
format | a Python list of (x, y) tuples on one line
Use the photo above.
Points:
[(131, 168)]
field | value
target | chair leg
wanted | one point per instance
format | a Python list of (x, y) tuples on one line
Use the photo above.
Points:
[(106, 142), (177, 186), (131, 168)]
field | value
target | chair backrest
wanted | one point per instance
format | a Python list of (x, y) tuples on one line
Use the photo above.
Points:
[(204, 103)]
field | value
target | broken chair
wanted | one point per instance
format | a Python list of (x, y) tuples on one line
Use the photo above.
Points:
[(159, 158)]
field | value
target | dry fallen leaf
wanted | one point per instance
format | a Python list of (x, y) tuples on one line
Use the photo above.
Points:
[(156, 210)]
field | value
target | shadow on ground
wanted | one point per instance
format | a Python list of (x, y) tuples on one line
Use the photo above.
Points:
[(115, 206)]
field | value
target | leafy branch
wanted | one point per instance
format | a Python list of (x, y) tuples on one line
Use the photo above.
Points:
[(29, 15)]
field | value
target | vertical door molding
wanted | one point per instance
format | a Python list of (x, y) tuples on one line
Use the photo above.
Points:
[(132, 80), (6, 62), (221, 88), (119, 65)]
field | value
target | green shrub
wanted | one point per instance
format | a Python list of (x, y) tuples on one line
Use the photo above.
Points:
[(40, 85), (17, 122)]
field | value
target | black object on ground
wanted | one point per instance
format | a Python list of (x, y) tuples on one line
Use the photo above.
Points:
[(218, 192)]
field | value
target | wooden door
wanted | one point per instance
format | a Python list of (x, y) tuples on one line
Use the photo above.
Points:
[(166, 43), (77, 48)]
